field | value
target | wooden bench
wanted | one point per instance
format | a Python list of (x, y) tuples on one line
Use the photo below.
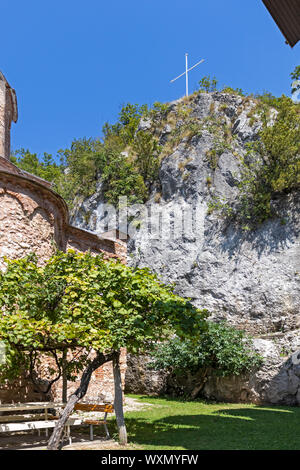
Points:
[(24, 421), (17, 423), (35, 425), (89, 407)]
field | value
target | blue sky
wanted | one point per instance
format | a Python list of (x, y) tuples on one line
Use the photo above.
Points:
[(74, 63)]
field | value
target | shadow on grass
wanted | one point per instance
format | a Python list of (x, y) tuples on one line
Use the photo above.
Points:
[(261, 428)]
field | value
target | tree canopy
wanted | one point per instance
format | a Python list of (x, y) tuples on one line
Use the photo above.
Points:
[(79, 300)]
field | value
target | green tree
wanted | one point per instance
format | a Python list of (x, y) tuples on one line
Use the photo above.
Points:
[(295, 75), (129, 118), (80, 165), (121, 178), (147, 151), (82, 301), (45, 168)]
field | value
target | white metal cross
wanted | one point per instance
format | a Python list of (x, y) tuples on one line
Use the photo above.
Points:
[(187, 70)]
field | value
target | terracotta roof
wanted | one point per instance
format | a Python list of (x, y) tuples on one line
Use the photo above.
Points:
[(286, 13)]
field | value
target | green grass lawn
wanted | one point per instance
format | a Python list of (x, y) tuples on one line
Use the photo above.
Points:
[(198, 425)]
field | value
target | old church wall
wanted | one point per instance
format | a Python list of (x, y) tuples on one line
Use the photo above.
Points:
[(34, 219)]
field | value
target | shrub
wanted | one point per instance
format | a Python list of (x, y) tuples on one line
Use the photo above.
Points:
[(295, 75), (234, 91), (208, 84)]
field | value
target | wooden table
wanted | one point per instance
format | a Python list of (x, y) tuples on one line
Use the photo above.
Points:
[(36, 405), (11, 425)]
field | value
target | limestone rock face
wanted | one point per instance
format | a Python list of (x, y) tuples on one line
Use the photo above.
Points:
[(251, 279), (277, 381)]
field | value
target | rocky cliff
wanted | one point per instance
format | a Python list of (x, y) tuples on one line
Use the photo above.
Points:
[(251, 278)]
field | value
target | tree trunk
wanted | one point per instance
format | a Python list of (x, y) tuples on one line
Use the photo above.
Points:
[(119, 399), (56, 436), (64, 377), (199, 387)]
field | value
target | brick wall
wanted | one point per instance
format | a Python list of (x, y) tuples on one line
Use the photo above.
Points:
[(24, 226)]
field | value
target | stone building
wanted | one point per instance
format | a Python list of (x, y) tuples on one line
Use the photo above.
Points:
[(34, 218)]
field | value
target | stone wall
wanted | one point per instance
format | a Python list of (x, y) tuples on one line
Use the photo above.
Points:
[(34, 218), (8, 113), (30, 219), (140, 379), (24, 226), (8, 120), (21, 390)]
